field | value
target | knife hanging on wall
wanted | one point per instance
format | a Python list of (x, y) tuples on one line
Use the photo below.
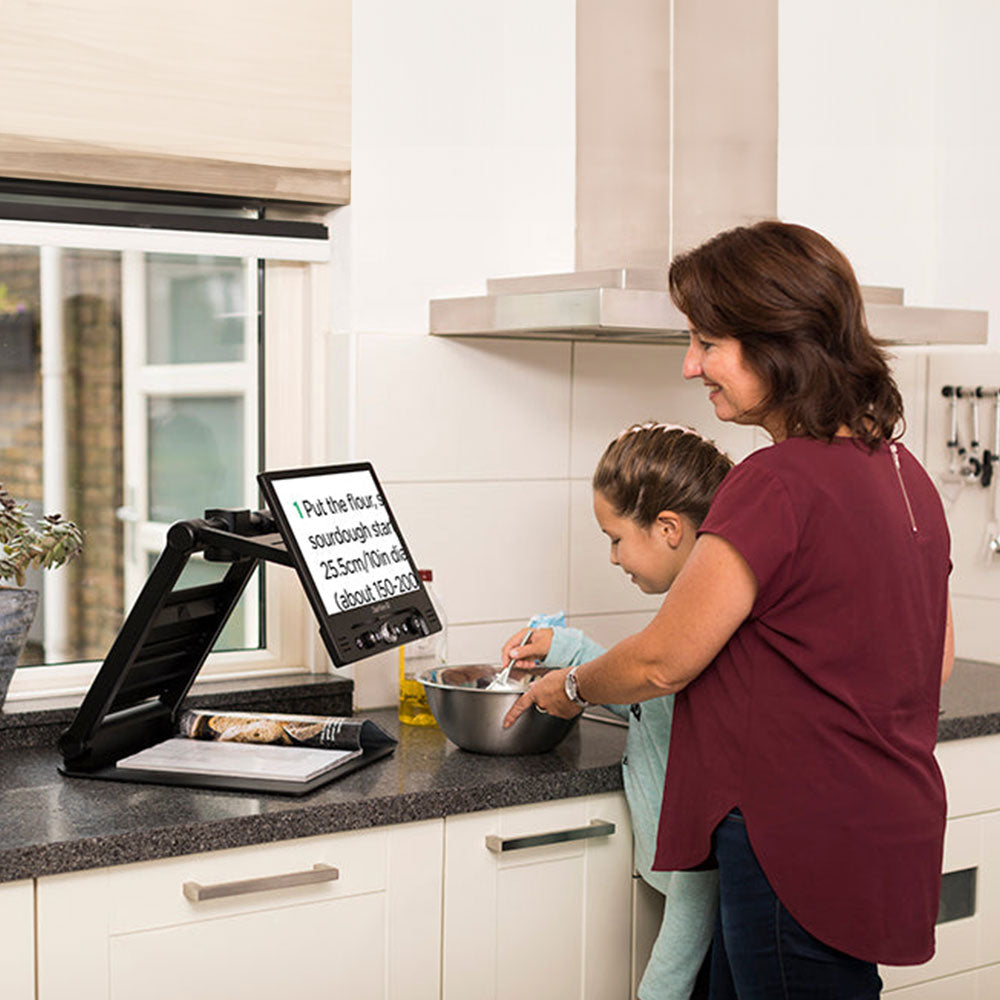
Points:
[(990, 455)]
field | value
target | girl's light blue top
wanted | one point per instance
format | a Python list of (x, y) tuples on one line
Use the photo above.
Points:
[(691, 898)]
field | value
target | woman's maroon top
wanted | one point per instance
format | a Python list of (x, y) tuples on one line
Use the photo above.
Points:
[(818, 719)]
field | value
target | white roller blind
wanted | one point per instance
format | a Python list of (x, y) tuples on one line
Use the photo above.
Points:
[(226, 96), (15, 232)]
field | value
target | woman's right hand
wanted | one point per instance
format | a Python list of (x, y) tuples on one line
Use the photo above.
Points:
[(536, 648)]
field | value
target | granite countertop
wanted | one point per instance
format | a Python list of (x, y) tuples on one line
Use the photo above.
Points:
[(53, 824), (970, 701)]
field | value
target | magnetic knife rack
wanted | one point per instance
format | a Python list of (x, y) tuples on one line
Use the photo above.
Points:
[(974, 462)]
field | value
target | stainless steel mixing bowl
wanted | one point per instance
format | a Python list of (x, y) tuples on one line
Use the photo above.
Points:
[(472, 716)]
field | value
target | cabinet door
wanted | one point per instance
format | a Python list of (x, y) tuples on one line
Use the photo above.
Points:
[(988, 981), (524, 919), (17, 927), (972, 859), (960, 987), (957, 941), (964, 764), (372, 932), (981, 984)]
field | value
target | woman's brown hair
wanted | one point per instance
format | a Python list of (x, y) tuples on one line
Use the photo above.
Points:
[(654, 467), (791, 299)]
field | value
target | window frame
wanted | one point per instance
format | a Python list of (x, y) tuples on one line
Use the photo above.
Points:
[(295, 296)]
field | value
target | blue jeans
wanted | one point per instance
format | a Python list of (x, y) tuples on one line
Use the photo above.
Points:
[(760, 952)]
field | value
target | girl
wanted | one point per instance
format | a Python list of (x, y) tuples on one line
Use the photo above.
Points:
[(652, 489)]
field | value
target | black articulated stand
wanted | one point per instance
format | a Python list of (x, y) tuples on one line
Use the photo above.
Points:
[(136, 697)]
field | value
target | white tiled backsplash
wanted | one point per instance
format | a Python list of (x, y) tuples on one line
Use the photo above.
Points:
[(486, 448), (615, 385), (434, 409)]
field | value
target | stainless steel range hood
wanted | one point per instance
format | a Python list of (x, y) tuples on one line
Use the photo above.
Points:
[(631, 305), (624, 303), (676, 139)]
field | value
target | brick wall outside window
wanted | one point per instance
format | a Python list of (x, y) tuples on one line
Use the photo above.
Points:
[(92, 326)]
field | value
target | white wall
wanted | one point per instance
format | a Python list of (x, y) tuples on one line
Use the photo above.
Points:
[(889, 139), (888, 144), (463, 150), (463, 169), (463, 164)]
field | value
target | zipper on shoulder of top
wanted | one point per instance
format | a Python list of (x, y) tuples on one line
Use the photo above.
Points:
[(899, 476)]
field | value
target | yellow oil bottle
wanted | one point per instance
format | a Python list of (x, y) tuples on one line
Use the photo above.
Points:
[(413, 707), (416, 657)]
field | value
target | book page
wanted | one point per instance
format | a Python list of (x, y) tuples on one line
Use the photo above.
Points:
[(251, 760)]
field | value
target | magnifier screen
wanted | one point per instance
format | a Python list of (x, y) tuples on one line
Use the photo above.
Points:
[(350, 555), (347, 539)]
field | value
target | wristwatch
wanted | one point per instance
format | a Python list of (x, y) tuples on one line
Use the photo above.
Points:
[(572, 689)]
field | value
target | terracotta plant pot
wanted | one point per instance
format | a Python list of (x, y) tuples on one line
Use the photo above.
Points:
[(17, 612)]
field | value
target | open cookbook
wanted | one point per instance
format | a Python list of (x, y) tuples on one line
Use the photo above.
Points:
[(287, 749)]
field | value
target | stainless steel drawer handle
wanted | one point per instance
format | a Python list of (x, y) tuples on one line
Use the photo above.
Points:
[(198, 893), (596, 828)]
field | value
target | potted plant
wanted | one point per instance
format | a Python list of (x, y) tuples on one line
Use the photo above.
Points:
[(46, 542)]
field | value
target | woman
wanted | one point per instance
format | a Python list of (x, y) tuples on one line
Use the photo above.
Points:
[(807, 635)]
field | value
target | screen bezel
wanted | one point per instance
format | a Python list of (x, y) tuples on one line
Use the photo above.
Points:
[(343, 632)]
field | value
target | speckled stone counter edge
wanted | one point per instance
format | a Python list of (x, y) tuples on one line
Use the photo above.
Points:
[(968, 727), (158, 843)]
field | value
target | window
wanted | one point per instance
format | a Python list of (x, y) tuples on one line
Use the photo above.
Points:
[(136, 391)]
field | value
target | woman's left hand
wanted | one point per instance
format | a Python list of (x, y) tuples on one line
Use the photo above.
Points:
[(547, 694)]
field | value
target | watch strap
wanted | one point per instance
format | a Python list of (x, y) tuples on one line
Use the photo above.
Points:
[(572, 688)]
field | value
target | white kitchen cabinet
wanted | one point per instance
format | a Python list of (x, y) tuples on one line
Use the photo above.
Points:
[(981, 984), (527, 914), (957, 942), (17, 930), (370, 929), (968, 947), (988, 983), (960, 987)]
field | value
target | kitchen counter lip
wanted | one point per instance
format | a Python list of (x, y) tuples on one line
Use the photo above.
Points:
[(55, 825)]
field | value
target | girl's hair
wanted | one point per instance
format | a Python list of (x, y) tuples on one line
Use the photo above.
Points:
[(654, 467), (791, 299)]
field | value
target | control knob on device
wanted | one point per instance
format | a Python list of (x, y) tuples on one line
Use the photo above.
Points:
[(367, 640), (416, 625)]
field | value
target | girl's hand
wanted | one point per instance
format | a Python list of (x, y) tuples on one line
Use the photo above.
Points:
[(547, 694), (536, 648)]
